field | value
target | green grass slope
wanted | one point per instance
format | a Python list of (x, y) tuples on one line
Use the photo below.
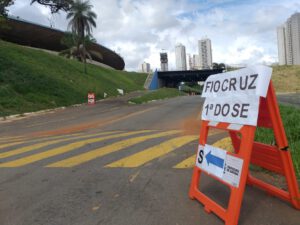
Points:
[(32, 80)]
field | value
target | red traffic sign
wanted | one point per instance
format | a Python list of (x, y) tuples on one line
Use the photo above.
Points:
[(91, 98)]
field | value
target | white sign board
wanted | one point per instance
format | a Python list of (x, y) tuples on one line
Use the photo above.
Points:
[(216, 161), (233, 97), (249, 81), (241, 110), (232, 170), (211, 159)]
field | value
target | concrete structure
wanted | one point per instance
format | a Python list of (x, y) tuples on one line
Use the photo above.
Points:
[(173, 79), (288, 38), (164, 61), (38, 36), (180, 57), (205, 53), (145, 67)]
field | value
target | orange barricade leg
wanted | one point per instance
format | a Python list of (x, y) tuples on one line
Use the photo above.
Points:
[(275, 158), (197, 172), (236, 197), (231, 214)]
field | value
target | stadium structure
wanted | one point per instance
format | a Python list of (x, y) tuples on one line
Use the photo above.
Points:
[(30, 34)]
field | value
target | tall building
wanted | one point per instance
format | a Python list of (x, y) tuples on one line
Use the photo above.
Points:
[(193, 62), (189, 62), (164, 61), (288, 39), (196, 62), (145, 67), (180, 57), (281, 45), (205, 53)]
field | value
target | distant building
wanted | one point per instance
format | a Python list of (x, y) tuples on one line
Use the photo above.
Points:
[(205, 54), (281, 45), (288, 40), (196, 62), (164, 61), (193, 62), (180, 57), (145, 68), (189, 62)]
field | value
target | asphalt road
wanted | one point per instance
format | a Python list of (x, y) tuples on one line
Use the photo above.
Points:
[(115, 164), (290, 99)]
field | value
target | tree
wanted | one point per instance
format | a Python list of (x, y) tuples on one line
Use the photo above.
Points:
[(55, 5), (222, 66), (3, 5), (82, 20), (69, 40), (215, 65), (219, 66)]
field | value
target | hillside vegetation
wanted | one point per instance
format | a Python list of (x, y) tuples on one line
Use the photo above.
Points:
[(286, 78), (32, 80)]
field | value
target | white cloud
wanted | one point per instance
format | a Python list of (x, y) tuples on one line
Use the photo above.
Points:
[(241, 31)]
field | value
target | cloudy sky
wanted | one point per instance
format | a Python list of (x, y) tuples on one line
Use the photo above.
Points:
[(241, 31)]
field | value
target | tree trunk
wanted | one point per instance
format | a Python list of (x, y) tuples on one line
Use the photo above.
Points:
[(83, 47), (84, 56), (84, 60)]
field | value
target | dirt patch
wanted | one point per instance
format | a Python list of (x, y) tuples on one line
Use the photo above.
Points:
[(68, 130), (191, 126)]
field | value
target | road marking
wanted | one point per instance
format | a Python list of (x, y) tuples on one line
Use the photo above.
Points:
[(11, 144), (36, 140), (43, 144), (187, 163), (63, 149), (88, 156), (9, 138), (154, 152), (26, 138)]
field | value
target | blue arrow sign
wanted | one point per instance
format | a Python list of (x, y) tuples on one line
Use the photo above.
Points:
[(219, 162)]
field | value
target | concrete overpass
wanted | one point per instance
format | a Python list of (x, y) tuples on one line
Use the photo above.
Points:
[(172, 78)]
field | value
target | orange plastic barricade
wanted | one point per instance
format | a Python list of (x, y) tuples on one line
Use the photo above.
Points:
[(275, 158)]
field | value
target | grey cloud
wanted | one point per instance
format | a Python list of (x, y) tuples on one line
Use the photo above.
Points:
[(32, 13)]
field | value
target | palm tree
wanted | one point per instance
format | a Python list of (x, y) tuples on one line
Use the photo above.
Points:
[(82, 20), (70, 41)]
